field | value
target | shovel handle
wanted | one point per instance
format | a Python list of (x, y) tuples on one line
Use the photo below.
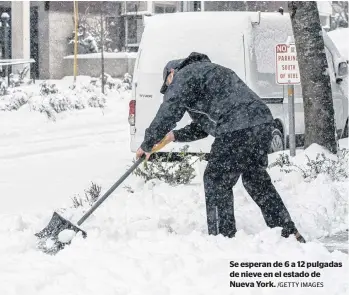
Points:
[(109, 192), (160, 145), (156, 148)]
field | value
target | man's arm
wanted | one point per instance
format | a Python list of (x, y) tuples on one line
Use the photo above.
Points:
[(170, 112), (191, 132)]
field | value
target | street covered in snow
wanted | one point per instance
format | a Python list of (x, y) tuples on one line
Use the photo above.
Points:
[(151, 238)]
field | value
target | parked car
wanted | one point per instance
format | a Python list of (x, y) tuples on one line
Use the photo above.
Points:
[(340, 38), (242, 41)]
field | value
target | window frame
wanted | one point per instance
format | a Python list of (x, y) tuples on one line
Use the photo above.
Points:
[(165, 5), (127, 20)]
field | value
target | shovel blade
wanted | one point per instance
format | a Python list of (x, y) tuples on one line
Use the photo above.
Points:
[(49, 242)]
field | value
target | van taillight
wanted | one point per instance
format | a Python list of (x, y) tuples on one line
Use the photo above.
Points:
[(132, 113)]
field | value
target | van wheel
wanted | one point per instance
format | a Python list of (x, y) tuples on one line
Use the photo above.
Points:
[(277, 142)]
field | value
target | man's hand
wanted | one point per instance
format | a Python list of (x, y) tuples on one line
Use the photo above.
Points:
[(168, 138), (140, 153)]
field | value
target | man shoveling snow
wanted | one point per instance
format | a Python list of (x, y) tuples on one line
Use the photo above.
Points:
[(220, 104)]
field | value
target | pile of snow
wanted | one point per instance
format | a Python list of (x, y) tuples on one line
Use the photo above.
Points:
[(318, 205), (155, 242), (51, 98), (70, 99), (152, 240), (66, 236), (14, 100)]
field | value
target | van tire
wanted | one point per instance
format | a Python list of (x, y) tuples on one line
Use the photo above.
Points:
[(277, 142)]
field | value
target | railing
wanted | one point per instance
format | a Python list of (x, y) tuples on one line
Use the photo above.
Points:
[(13, 62)]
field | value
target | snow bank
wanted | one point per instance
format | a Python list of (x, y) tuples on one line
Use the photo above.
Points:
[(154, 242), (52, 98), (319, 206)]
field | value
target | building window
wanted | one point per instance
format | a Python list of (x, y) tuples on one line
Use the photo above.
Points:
[(164, 8), (134, 30), (197, 5), (134, 6), (133, 23), (134, 11)]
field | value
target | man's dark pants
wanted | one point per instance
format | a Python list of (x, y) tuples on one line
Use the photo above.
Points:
[(245, 153)]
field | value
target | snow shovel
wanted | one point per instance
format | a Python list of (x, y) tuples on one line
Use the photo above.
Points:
[(49, 241)]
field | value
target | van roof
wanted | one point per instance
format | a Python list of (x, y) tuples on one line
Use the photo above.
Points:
[(217, 34), (175, 36), (236, 17), (215, 16)]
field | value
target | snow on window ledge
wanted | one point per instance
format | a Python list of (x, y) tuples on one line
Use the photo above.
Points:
[(107, 55)]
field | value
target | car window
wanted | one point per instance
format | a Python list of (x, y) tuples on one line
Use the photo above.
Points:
[(330, 64)]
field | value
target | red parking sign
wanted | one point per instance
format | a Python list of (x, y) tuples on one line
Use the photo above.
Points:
[(287, 69)]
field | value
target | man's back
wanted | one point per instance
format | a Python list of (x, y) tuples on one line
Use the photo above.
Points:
[(218, 100)]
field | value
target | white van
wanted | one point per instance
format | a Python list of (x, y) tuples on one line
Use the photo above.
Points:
[(242, 41)]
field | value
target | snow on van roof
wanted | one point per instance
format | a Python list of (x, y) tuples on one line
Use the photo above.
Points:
[(213, 16), (220, 27), (173, 36)]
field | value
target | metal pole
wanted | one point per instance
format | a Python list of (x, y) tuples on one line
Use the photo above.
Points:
[(102, 47), (291, 117), (76, 21), (5, 27)]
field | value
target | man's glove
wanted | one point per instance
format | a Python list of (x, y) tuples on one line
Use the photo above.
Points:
[(166, 140)]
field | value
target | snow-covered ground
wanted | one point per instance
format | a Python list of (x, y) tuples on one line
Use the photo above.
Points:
[(152, 241)]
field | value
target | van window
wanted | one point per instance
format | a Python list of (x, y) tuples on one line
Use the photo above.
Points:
[(272, 30), (330, 64), (336, 90)]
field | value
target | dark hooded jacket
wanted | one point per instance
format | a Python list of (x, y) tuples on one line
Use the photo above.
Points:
[(216, 99)]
